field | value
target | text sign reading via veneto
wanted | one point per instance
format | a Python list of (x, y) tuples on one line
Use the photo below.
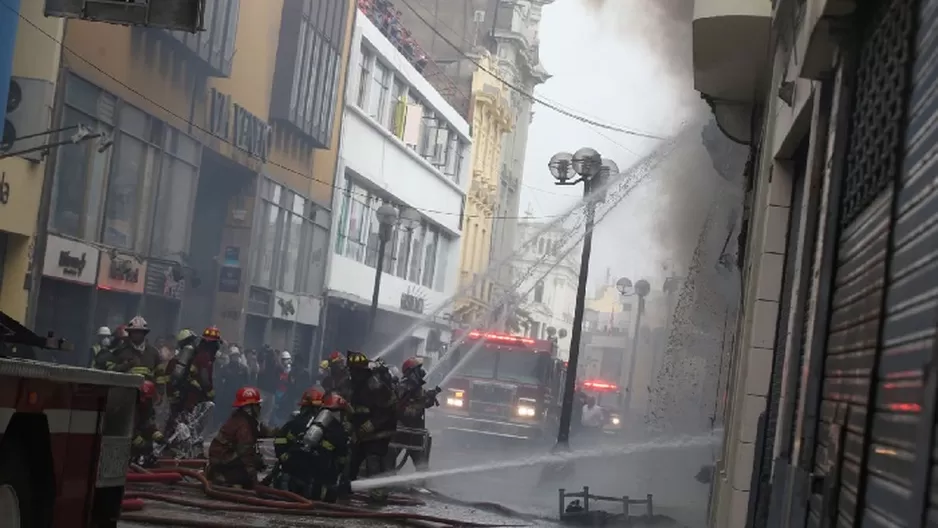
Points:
[(232, 122)]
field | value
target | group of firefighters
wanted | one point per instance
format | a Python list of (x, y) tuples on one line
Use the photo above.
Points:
[(340, 430)]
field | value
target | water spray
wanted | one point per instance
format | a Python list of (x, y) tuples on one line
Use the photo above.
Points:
[(682, 442)]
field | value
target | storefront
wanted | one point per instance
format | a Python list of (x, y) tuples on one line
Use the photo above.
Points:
[(70, 269), (163, 290), (121, 281), (307, 320)]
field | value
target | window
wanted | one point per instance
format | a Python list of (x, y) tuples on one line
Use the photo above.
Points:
[(378, 92), (176, 195), (291, 253), (539, 292), (131, 180), (395, 116), (364, 77), (78, 191), (404, 241), (445, 244), (429, 261), (416, 254)]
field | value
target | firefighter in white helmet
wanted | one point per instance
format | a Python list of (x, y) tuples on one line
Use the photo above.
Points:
[(103, 342), (135, 355)]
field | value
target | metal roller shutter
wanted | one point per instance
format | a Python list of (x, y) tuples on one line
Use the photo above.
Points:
[(874, 158)]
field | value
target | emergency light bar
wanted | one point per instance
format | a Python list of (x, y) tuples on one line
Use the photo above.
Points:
[(501, 338), (599, 385)]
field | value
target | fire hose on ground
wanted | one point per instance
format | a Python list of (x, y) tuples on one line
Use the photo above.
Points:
[(263, 500)]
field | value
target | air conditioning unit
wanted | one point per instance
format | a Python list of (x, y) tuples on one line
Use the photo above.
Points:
[(29, 112), (176, 15)]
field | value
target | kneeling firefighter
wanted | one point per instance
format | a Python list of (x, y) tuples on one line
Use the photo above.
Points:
[(413, 402), (233, 457), (312, 449), (373, 417), (146, 433)]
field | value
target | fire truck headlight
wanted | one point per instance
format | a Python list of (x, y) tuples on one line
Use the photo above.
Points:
[(455, 398), (526, 408), (615, 420), (454, 402)]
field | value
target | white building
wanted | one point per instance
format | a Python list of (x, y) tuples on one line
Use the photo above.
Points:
[(547, 283), (402, 144)]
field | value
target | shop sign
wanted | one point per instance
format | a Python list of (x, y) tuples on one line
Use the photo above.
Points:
[(285, 306), (413, 300), (232, 122), (229, 279), (165, 279), (122, 273), (308, 309), (70, 260)]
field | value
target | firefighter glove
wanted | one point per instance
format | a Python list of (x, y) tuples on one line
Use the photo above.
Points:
[(367, 427), (157, 436), (138, 441)]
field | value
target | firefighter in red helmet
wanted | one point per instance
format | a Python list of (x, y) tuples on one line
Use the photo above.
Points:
[(233, 456), (337, 376), (146, 433), (191, 372), (413, 401)]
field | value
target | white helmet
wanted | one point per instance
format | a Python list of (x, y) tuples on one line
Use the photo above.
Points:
[(104, 332), (285, 356), (233, 349), (138, 323)]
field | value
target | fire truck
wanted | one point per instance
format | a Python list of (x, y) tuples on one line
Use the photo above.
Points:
[(65, 435), (500, 385), (608, 398)]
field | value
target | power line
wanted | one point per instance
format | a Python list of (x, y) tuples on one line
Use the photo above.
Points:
[(185, 120), (540, 100)]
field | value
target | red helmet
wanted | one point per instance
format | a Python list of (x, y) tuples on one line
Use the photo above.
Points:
[(121, 331), (247, 396), (211, 334), (411, 363), (147, 391), (334, 402), (336, 357), (312, 397)]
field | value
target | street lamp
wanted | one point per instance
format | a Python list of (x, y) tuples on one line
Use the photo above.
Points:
[(586, 166), (388, 217), (641, 289)]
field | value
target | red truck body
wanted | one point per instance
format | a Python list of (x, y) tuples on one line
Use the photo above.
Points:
[(65, 435), (501, 385)]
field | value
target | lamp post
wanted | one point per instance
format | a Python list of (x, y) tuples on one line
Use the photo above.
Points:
[(588, 167), (388, 217), (641, 289)]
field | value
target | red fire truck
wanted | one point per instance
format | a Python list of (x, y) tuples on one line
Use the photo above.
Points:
[(65, 436), (500, 385), (608, 398)]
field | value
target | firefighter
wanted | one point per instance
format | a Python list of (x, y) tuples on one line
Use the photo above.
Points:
[(233, 456), (134, 355), (146, 433), (312, 449), (373, 417), (413, 402), (191, 372), (337, 377), (103, 343)]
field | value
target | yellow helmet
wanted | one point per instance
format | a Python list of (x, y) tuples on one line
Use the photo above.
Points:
[(324, 364), (184, 334), (356, 360)]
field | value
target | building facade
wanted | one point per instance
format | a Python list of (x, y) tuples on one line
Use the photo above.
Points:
[(403, 145), (831, 394), (491, 120), (207, 197), (455, 36), (546, 284), (34, 65)]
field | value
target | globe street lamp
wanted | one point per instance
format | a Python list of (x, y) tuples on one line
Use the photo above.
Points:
[(586, 166), (388, 217), (626, 289)]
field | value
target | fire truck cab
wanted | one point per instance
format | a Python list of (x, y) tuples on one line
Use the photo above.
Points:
[(65, 435), (608, 398), (500, 385)]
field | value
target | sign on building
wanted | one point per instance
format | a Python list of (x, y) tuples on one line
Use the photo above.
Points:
[(70, 260)]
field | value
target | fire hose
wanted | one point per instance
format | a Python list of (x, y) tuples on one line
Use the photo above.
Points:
[(262, 500)]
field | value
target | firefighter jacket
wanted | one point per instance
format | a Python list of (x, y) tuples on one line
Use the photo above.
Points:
[(339, 384), (236, 442), (96, 350), (196, 385), (128, 358), (323, 463), (374, 407), (413, 402)]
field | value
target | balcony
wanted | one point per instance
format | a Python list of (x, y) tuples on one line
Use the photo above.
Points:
[(731, 59), (215, 45)]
